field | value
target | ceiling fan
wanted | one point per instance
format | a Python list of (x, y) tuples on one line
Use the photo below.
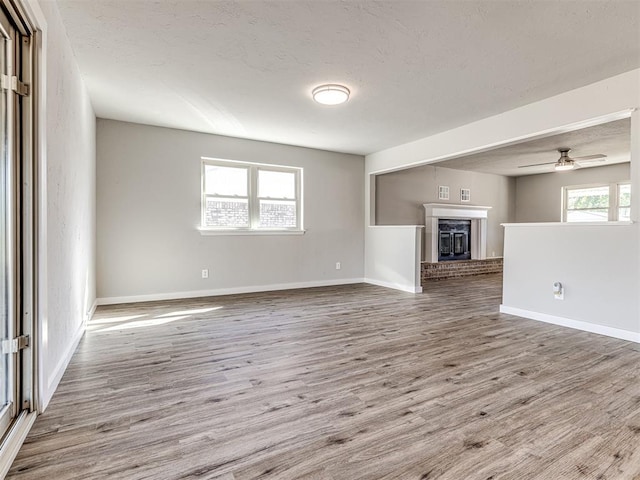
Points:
[(565, 162)]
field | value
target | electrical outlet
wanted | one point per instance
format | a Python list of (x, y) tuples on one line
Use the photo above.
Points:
[(205, 273), (338, 266), (558, 291)]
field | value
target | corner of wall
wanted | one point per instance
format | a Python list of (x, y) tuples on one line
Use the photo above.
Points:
[(67, 223)]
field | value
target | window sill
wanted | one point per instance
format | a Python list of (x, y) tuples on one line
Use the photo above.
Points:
[(214, 232), (612, 223)]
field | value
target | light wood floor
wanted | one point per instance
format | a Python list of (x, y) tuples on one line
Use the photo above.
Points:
[(342, 383)]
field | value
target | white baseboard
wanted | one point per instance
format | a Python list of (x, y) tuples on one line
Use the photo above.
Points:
[(225, 291), (576, 324), (395, 286), (92, 310), (56, 374)]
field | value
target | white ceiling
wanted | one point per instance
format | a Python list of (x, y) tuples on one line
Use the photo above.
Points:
[(612, 139), (415, 68)]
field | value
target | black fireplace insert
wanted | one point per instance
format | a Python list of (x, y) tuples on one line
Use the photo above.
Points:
[(454, 239)]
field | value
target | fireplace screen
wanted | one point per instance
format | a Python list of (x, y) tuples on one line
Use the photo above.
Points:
[(459, 243), (454, 239), (445, 243)]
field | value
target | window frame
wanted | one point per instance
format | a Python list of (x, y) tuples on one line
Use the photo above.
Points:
[(614, 199), (617, 200), (253, 170)]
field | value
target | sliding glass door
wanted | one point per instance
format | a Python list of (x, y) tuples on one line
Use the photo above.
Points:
[(8, 207), (16, 219)]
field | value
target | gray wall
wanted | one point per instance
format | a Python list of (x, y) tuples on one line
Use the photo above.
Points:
[(70, 288), (400, 195), (600, 289), (148, 201), (539, 197)]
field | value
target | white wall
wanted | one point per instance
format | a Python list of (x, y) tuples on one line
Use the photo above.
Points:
[(539, 197), (607, 100), (148, 196), (401, 194), (69, 157), (393, 257)]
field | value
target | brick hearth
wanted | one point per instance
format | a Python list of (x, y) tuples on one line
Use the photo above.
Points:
[(462, 268)]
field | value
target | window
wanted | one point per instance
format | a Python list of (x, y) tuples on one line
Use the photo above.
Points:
[(238, 196), (597, 203), (624, 202)]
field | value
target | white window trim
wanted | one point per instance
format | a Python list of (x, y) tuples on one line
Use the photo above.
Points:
[(617, 199), (238, 231), (253, 199), (614, 194)]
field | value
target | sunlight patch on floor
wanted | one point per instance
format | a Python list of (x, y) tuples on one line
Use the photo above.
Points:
[(133, 321), (100, 321), (194, 311)]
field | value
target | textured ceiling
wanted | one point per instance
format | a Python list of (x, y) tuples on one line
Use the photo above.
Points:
[(612, 139), (415, 68)]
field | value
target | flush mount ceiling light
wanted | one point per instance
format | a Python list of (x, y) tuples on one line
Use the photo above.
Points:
[(331, 94)]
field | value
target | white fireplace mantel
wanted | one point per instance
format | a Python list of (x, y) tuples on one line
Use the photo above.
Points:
[(478, 216)]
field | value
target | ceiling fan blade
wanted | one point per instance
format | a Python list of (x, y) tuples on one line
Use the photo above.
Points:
[(591, 157), (536, 164), (586, 163)]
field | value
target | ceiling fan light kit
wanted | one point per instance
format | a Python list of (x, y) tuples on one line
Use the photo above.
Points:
[(565, 162), (564, 166)]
